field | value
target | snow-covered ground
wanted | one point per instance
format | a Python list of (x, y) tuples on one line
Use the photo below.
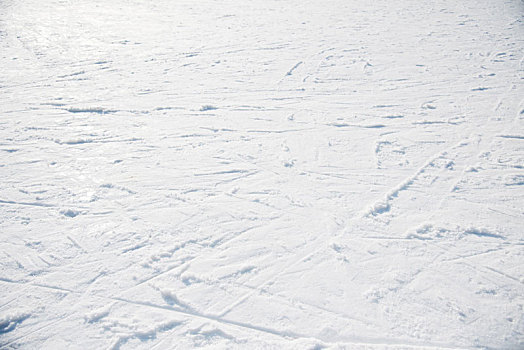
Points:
[(261, 174)]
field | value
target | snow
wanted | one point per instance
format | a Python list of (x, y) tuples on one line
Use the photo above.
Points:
[(261, 174)]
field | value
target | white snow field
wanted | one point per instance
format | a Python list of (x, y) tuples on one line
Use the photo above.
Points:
[(257, 174)]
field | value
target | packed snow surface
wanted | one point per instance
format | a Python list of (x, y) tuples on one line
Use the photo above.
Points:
[(261, 174)]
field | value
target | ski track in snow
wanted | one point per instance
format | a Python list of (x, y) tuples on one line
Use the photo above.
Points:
[(261, 174)]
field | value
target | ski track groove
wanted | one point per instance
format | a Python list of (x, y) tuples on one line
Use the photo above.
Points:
[(291, 303), (187, 263), (320, 238), (381, 206), (390, 195), (489, 146), (281, 334), (315, 63), (168, 308), (23, 336), (207, 317)]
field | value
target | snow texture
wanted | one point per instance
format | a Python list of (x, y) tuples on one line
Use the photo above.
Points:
[(261, 174)]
